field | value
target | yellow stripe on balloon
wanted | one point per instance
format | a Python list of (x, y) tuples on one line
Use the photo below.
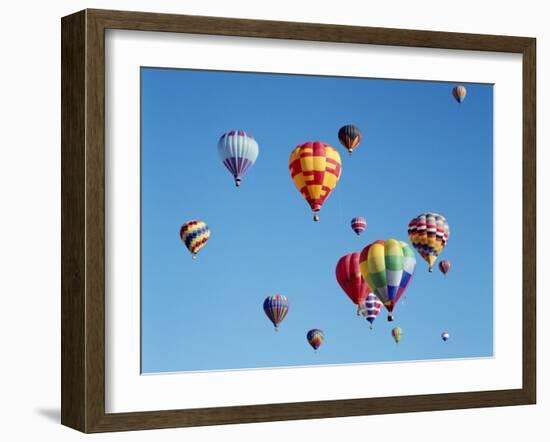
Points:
[(393, 248), (200, 238), (376, 259)]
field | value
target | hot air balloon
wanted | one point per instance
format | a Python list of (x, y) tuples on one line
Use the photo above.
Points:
[(397, 333), (429, 233), (238, 151), (315, 168), (348, 275), (350, 137), (445, 266), (387, 267), (372, 308), (194, 234), (459, 92), (276, 308), (358, 224), (445, 336), (315, 337)]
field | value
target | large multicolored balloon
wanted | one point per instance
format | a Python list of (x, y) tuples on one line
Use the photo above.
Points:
[(445, 336), (315, 337), (397, 333), (238, 151), (429, 234), (315, 168), (195, 235), (358, 224), (459, 93), (372, 308), (350, 137), (276, 308), (388, 267), (348, 275), (445, 266)]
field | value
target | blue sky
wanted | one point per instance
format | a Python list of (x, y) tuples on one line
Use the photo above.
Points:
[(421, 151)]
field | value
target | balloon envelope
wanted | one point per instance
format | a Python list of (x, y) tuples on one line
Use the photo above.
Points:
[(276, 308), (195, 235), (445, 266), (315, 337), (397, 333), (459, 93), (348, 275), (350, 137), (429, 234), (358, 224), (387, 267), (315, 168), (372, 307), (238, 152)]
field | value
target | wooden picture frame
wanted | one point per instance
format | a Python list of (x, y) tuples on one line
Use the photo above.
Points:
[(83, 220)]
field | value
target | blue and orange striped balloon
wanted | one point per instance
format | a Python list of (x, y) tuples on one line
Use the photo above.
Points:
[(459, 93), (315, 337), (276, 308), (350, 137), (194, 234)]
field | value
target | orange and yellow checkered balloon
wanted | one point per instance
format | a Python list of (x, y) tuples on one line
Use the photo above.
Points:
[(315, 168)]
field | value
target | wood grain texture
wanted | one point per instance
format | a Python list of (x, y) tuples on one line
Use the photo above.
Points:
[(95, 221), (73, 255), (83, 220), (144, 21), (529, 221)]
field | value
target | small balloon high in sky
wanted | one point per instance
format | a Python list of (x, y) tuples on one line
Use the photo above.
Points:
[(276, 309), (358, 225), (350, 137)]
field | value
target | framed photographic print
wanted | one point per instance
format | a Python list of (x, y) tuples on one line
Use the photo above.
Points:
[(267, 221)]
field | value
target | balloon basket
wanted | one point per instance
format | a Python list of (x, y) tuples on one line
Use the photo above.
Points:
[(194, 256), (315, 217), (276, 329), (237, 182), (430, 270), (390, 318)]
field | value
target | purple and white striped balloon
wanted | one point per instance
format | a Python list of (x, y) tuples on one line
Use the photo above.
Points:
[(238, 152)]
